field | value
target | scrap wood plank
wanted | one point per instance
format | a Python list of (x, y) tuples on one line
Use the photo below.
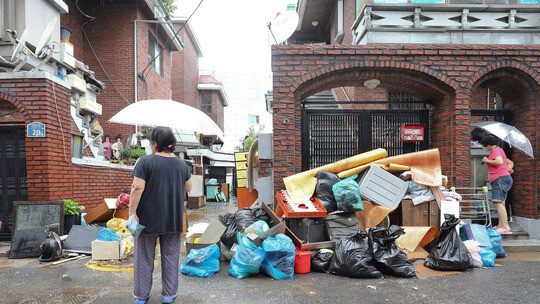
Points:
[(438, 194)]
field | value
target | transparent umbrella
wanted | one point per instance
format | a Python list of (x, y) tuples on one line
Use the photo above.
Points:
[(167, 113), (509, 134)]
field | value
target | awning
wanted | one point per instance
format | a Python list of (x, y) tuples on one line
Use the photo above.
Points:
[(217, 157)]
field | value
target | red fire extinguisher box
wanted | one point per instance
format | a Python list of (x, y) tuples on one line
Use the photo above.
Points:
[(412, 132)]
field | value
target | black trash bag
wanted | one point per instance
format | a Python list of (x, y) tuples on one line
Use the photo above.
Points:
[(353, 258), (450, 253), (323, 190), (341, 224), (243, 218), (228, 238), (261, 215), (321, 261), (388, 258), (239, 221)]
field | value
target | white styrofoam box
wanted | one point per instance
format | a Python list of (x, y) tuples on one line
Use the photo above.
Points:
[(67, 59), (90, 106), (66, 46), (77, 83), (90, 94), (382, 187), (105, 250)]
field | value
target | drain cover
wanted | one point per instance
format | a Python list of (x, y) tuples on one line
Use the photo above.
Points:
[(67, 296)]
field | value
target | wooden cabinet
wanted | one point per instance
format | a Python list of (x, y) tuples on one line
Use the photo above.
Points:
[(425, 214)]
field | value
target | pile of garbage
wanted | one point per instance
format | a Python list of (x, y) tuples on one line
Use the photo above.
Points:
[(335, 219)]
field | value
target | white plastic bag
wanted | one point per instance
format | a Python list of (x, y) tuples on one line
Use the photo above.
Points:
[(474, 248)]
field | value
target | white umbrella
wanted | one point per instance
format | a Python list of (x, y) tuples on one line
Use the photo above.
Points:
[(509, 134), (167, 113)]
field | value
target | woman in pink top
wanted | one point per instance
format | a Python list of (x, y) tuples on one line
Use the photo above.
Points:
[(499, 169)]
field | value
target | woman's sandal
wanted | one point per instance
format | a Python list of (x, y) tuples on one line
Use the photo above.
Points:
[(170, 300), (500, 231), (141, 301)]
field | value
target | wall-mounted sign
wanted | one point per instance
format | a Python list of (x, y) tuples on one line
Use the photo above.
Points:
[(35, 129), (412, 132)]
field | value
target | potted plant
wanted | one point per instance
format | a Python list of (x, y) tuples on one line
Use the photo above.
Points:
[(131, 154), (72, 214)]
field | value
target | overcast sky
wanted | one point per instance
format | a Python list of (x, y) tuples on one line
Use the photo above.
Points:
[(233, 33)]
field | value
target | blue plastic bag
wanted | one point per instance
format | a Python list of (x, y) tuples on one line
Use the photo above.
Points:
[(496, 243), (108, 234), (488, 257), (279, 257), (202, 262), (477, 233), (247, 260), (133, 226), (347, 195)]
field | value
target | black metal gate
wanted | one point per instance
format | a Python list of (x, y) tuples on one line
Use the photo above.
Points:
[(13, 185), (332, 135)]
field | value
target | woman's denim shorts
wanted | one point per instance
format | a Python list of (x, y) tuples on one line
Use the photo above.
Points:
[(500, 188)]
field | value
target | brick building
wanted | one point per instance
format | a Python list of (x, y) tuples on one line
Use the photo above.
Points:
[(444, 65), (109, 67)]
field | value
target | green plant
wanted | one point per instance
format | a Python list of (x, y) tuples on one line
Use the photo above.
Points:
[(71, 207), (126, 153), (247, 141), (137, 152), (169, 5)]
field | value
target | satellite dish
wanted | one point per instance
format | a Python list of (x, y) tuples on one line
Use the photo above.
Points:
[(21, 43), (284, 25), (46, 36)]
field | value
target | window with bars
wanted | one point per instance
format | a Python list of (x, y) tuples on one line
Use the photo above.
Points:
[(404, 101), (206, 103), (498, 102)]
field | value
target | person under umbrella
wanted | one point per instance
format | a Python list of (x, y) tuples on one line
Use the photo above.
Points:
[(500, 169), (157, 202)]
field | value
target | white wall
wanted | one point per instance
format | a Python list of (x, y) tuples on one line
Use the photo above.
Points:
[(246, 97)]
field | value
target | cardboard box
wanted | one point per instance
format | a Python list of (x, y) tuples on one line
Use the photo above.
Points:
[(297, 242), (105, 250), (196, 202), (211, 235), (104, 212)]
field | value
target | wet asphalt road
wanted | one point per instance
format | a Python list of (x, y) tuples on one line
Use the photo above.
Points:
[(517, 280)]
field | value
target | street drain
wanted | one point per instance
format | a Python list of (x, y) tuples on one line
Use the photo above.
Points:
[(67, 296)]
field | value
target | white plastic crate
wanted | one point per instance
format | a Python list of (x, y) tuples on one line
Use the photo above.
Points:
[(382, 187)]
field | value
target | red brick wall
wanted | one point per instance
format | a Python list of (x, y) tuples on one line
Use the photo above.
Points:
[(444, 74), (217, 108), (111, 38), (50, 173), (185, 72), (92, 184)]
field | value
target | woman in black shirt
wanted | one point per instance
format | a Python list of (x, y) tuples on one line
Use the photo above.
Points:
[(157, 201)]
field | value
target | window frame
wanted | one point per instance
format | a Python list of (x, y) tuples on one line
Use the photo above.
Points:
[(153, 50), (206, 103)]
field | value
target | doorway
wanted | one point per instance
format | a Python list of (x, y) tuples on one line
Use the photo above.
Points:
[(13, 179)]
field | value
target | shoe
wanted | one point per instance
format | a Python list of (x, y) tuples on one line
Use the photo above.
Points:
[(141, 301), (170, 300), (499, 230)]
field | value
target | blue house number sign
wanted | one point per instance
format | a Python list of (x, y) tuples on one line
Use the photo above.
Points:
[(35, 129)]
